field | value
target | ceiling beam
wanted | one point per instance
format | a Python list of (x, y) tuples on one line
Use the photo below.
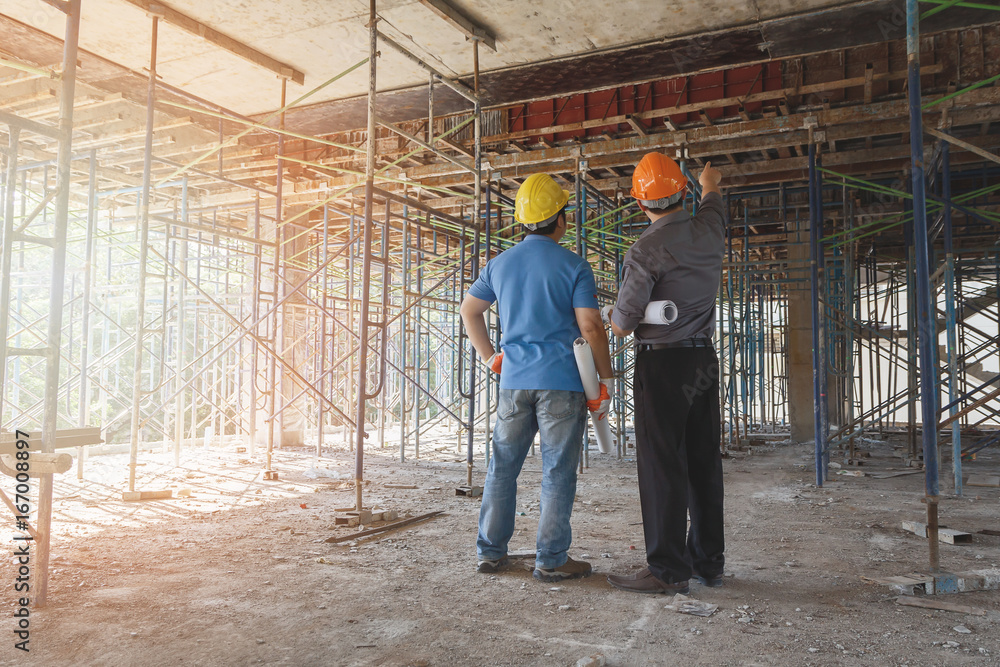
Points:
[(225, 42), (744, 136), (460, 21)]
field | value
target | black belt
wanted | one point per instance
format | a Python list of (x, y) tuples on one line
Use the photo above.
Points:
[(688, 342)]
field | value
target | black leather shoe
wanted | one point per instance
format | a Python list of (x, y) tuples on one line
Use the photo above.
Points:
[(712, 581), (643, 581)]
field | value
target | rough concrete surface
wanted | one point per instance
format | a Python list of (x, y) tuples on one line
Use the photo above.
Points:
[(324, 37), (237, 572)]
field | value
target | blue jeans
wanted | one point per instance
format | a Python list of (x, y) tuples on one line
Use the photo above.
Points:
[(561, 418)]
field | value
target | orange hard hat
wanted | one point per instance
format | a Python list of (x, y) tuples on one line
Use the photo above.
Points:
[(657, 177)]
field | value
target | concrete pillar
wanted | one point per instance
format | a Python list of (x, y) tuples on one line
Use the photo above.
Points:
[(798, 352)]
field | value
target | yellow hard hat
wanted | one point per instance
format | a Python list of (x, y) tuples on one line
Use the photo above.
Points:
[(538, 199)]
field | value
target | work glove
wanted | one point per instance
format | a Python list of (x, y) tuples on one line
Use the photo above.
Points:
[(599, 406), (606, 314), (495, 362)]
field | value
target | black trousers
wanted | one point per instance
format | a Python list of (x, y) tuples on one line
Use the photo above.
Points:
[(677, 434)]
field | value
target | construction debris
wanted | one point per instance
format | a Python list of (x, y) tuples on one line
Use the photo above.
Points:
[(381, 529), (683, 604)]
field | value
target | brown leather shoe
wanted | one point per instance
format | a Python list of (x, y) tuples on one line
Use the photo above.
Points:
[(643, 581)]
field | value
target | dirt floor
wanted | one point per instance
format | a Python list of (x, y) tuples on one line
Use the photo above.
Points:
[(239, 572)]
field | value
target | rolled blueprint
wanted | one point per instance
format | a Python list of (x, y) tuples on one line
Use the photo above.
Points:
[(660, 312), (592, 389)]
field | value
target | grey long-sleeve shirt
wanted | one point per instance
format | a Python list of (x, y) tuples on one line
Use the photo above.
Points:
[(678, 258)]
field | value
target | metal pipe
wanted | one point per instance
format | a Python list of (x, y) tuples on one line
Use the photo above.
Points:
[(405, 264), (140, 317), (487, 224), (63, 174), (88, 279), (181, 258), (366, 260), (815, 219), (926, 320), (275, 329), (950, 321), (320, 419), (457, 86), (6, 253), (474, 273), (255, 314)]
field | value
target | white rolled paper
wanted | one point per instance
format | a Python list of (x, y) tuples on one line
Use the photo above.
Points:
[(592, 389), (660, 312)]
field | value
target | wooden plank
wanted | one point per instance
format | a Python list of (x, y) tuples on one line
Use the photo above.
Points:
[(133, 496), (946, 535), (915, 527), (695, 107), (897, 474), (949, 536), (983, 480), (969, 147), (65, 439), (982, 401), (942, 605)]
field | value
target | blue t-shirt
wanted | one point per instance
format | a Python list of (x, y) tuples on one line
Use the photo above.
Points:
[(536, 285)]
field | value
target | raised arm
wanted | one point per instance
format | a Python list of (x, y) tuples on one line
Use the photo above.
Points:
[(710, 178)]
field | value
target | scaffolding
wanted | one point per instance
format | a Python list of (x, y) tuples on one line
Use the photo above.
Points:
[(220, 300)]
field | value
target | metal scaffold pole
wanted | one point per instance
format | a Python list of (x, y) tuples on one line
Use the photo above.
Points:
[(366, 250), (950, 322), (474, 268), (143, 222), (925, 318), (50, 416), (815, 250)]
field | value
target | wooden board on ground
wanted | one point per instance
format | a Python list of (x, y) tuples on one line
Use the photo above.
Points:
[(147, 495), (933, 603), (983, 480), (946, 535), (901, 473)]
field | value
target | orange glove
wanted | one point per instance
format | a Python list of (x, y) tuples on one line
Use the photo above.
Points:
[(495, 362), (602, 401)]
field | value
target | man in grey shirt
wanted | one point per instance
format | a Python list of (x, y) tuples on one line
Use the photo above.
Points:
[(676, 382)]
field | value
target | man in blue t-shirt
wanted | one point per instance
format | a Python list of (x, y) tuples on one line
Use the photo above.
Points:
[(546, 298)]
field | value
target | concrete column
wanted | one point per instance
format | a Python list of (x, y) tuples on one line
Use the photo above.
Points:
[(798, 353)]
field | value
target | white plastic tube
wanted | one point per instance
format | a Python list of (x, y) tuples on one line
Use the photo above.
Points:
[(660, 312), (592, 388)]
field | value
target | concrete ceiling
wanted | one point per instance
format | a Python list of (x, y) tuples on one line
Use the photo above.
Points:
[(324, 37)]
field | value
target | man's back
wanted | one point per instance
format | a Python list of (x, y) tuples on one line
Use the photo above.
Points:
[(678, 258), (536, 285)]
